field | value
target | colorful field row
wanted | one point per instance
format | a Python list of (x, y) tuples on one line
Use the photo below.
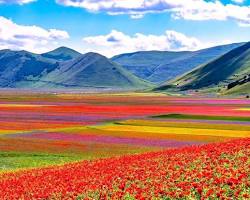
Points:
[(214, 171), (60, 128)]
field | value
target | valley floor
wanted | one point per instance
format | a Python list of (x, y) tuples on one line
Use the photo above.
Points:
[(159, 146)]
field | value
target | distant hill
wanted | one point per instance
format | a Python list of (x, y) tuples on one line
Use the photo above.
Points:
[(229, 71), (160, 66), (90, 70), (66, 68), (16, 66), (188, 62), (62, 54), (144, 63)]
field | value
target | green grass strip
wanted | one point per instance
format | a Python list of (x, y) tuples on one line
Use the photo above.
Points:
[(20, 160), (202, 117)]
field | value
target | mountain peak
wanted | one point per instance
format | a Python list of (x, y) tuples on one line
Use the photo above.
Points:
[(94, 54), (62, 53), (92, 70), (63, 49)]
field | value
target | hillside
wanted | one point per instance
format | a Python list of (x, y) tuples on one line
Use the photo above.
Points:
[(218, 74), (64, 67), (90, 70), (143, 63), (186, 63), (16, 66), (160, 66), (62, 54), (239, 87)]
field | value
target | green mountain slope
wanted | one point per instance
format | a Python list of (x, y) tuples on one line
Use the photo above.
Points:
[(243, 89), (183, 64), (62, 54), (161, 66), (16, 66), (91, 70), (143, 63), (217, 74)]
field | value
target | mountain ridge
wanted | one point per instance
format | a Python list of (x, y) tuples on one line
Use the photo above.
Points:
[(217, 74), (16, 65), (160, 66), (90, 70), (65, 67), (62, 54)]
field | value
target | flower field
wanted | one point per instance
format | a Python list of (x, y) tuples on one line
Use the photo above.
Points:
[(123, 146), (215, 171)]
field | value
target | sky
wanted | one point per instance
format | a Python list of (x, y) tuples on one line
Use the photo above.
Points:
[(112, 27)]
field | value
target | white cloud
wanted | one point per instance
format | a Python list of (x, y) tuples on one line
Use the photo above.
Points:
[(238, 1), (184, 9), (117, 42), (16, 1), (32, 38)]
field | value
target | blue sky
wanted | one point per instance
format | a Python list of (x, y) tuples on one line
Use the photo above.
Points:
[(110, 27)]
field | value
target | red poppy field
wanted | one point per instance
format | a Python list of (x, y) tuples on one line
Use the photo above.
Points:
[(215, 171), (123, 146)]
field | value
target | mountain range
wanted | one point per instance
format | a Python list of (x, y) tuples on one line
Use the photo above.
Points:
[(16, 66), (221, 68), (230, 73), (160, 66), (63, 68), (90, 70)]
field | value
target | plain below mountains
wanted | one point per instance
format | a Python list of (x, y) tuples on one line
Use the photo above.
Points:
[(228, 74)]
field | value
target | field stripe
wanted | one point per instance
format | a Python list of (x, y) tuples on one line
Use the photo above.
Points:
[(174, 130)]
